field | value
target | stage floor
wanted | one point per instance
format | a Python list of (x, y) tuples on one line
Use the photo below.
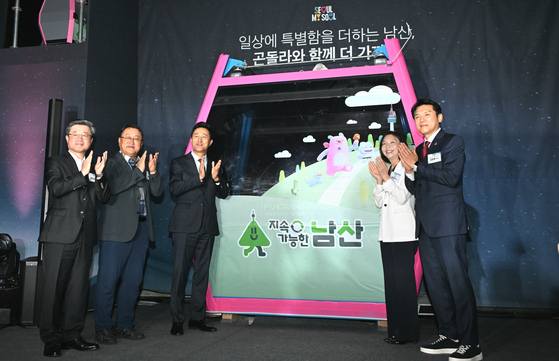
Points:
[(286, 338)]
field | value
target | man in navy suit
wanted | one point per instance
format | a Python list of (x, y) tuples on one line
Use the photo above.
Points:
[(195, 180), (125, 229), (434, 176), (68, 236)]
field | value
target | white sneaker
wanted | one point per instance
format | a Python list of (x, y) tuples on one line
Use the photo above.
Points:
[(467, 353)]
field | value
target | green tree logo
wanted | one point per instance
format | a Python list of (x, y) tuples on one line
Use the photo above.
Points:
[(253, 237)]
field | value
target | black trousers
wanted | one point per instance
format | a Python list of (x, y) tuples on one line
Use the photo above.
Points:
[(400, 290), (66, 268), (445, 268), (191, 249)]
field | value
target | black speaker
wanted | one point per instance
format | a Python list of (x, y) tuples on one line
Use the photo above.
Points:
[(54, 138), (54, 128), (31, 292), (31, 276)]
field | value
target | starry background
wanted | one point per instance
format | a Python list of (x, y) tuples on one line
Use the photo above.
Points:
[(492, 65)]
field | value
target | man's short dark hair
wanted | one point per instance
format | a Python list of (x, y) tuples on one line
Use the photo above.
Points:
[(81, 122), (398, 136), (135, 126), (202, 125), (420, 102)]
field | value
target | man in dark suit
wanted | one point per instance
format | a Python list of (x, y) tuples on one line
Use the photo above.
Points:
[(434, 176), (126, 228), (68, 236), (195, 180)]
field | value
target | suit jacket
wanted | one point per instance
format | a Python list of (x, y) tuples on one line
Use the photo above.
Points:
[(440, 206), (71, 202), (397, 216), (194, 197), (120, 215)]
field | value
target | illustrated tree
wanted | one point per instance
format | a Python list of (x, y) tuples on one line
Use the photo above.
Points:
[(282, 175), (254, 237), (409, 141), (363, 193), (303, 165)]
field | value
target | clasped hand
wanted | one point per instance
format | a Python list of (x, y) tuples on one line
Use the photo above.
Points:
[(152, 163), (408, 157), (214, 170), (99, 166), (379, 170)]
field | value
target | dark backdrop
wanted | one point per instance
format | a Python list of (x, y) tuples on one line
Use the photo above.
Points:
[(492, 65)]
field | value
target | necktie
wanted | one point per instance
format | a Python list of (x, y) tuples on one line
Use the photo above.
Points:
[(141, 189), (201, 164), (425, 148)]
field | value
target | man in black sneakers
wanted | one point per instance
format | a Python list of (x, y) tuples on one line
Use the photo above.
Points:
[(434, 176)]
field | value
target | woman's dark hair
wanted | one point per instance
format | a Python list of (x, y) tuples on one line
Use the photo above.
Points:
[(398, 136)]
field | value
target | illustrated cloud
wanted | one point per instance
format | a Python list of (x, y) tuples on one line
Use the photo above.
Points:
[(374, 125), (283, 154), (378, 95), (351, 121), (309, 139)]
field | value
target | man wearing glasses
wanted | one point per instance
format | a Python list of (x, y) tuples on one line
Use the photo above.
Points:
[(68, 236), (126, 228)]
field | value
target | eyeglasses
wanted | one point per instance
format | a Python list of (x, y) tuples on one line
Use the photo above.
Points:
[(132, 139), (80, 135)]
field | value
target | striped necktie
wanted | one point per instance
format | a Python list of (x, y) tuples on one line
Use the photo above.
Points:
[(141, 189)]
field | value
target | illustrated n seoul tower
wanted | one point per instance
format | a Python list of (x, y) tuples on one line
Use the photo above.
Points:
[(391, 118)]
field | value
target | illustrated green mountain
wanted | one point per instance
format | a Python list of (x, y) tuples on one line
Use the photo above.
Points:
[(254, 237)]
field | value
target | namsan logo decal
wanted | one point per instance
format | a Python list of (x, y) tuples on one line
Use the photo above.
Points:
[(254, 238)]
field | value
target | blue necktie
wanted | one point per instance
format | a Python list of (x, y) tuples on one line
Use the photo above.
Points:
[(141, 189)]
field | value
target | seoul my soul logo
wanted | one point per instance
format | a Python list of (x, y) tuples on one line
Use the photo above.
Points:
[(323, 13)]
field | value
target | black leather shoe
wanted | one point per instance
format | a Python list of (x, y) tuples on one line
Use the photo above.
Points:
[(201, 325), (394, 341), (128, 333), (177, 329), (105, 337), (79, 344), (52, 349)]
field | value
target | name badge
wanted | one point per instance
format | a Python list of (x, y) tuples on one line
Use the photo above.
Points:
[(434, 158), (395, 177), (91, 177)]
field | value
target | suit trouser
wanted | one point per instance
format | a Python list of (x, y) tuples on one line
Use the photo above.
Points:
[(124, 262), (66, 268), (400, 289), (191, 247), (445, 268)]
